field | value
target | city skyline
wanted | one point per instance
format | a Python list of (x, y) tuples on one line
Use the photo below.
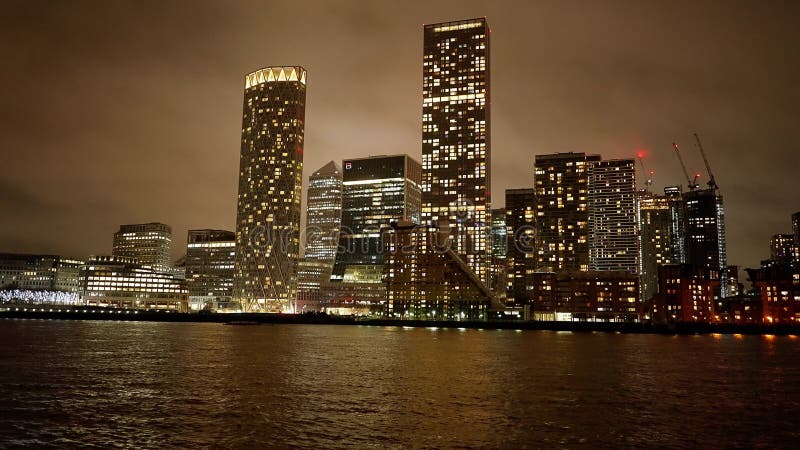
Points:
[(43, 217)]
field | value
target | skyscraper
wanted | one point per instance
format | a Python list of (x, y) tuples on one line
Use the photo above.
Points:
[(677, 213), (456, 137), (377, 191), (270, 184), (499, 252), (210, 256), (521, 259), (796, 230), (705, 233), (655, 225), (613, 227), (148, 243), (781, 247), (562, 211), (323, 219)]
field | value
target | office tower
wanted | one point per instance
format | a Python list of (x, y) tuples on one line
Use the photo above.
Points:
[(782, 247), (705, 233), (562, 211), (426, 279), (210, 256), (120, 282), (148, 243), (456, 145), (521, 259), (655, 225), (613, 226), (323, 219), (376, 192), (270, 185), (677, 214), (499, 252)]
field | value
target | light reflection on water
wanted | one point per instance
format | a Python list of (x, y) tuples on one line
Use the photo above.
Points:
[(170, 384)]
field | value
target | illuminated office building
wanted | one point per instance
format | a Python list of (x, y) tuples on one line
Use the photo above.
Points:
[(562, 211), (270, 189), (456, 137), (323, 220), (377, 191), (655, 225), (796, 230), (120, 282), (39, 272), (499, 252), (521, 259), (148, 243), (613, 225), (210, 256), (705, 233), (677, 212)]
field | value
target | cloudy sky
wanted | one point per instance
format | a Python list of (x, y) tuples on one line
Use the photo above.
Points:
[(122, 112)]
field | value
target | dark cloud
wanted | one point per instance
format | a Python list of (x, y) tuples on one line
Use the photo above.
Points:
[(119, 112)]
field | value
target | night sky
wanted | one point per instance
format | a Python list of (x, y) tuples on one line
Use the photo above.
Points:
[(116, 112)]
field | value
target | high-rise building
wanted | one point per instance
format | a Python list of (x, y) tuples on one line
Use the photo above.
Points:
[(120, 282), (677, 214), (655, 225), (782, 247), (456, 145), (562, 211), (270, 189), (613, 224), (705, 233), (323, 220), (210, 256), (148, 243), (499, 252), (796, 230), (521, 259), (377, 191)]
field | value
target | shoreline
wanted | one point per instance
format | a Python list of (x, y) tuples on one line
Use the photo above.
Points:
[(89, 313)]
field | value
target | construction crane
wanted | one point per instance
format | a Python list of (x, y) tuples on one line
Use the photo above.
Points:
[(692, 184), (712, 183), (649, 182)]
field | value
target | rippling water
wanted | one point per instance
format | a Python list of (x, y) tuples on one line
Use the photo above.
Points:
[(131, 384)]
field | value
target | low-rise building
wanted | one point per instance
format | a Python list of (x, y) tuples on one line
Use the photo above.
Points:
[(595, 296), (686, 293)]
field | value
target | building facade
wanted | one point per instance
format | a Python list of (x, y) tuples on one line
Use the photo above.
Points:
[(210, 256), (113, 281), (499, 267), (705, 233), (377, 191), (686, 293), (520, 234), (30, 272), (427, 280), (562, 211), (594, 296), (655, 227), (456, 144), (270, 189), (613, 223), (782, 248), (323, 220), (149, 244)]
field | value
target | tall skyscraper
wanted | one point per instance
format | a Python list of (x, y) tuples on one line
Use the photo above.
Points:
[(655, 225), (270, 185), (456, 145), (781, 247), (613, 226), (210, 256), (377, 191), (796, 230), (323, 220), (521, 259), (677, 213), (562, 211), (148, 243), (499, 252), (705, 233)]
